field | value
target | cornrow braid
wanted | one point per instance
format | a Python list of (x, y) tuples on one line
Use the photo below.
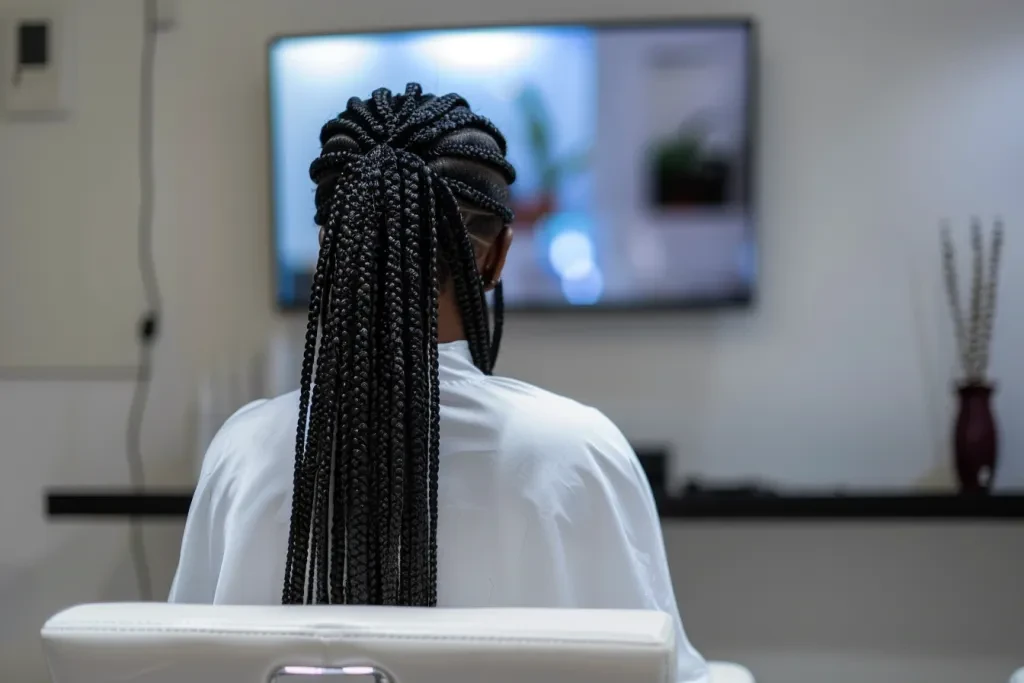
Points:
[(463, 151), (390, 179)]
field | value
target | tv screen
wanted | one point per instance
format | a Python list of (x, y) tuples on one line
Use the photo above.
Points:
[(632, 145)]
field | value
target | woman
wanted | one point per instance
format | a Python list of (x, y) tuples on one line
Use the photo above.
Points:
[(418, 477)]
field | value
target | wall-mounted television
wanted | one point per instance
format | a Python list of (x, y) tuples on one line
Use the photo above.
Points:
[(633, 145)]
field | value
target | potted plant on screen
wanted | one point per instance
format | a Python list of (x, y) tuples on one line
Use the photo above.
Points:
[(686, 172), (975, 437), (551, 169)]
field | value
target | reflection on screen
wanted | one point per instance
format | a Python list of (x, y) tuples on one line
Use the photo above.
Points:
[(631, 146)]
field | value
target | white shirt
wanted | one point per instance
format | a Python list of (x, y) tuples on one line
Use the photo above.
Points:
[(541, 503)]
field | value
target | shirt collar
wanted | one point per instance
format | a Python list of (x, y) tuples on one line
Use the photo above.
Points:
[(455, 363)]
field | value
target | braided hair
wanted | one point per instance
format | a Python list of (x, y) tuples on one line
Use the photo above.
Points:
[(394, 179)]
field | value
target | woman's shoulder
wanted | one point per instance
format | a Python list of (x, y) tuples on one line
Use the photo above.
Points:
[(254, 437), (537, 423)]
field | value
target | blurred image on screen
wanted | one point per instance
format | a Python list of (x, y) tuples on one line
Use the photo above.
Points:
[(631, 144)]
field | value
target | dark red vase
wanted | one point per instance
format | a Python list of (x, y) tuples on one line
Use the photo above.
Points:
[(975, 442)]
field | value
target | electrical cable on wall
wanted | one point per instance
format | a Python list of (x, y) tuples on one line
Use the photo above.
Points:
[(150, 322)]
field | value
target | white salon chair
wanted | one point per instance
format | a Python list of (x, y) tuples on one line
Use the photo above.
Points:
[(161, 643)]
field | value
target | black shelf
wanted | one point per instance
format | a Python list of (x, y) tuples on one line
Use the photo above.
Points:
[(117, 503), (862, 506), (174, 504)]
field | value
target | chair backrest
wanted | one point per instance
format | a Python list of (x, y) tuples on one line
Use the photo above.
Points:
[(162, 643)]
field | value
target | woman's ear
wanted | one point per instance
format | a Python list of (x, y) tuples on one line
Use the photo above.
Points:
[(493, 260)]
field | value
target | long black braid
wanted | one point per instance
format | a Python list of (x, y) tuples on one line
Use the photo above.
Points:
[(393, 178)]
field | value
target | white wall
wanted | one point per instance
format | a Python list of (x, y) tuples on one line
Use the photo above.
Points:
[(878, 117)]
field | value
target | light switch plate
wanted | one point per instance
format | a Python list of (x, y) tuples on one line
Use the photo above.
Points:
[(34, 81)]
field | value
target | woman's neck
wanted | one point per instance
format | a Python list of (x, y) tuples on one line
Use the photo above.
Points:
[(449, 321)]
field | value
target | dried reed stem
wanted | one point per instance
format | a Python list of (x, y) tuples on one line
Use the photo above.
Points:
[(973, 336)]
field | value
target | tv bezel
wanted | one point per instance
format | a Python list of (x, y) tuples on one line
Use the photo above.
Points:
[(719, 303)]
